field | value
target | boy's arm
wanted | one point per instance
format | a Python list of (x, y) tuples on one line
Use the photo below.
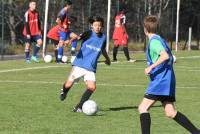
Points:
[(27, 25), (163, 57), (105, 54), (39, 22)]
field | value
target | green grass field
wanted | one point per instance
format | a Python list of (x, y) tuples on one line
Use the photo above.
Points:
[(29, 98)]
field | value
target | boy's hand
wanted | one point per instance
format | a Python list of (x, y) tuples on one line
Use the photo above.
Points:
[(148, 70), (67, 42), (28, 36), (107, 62)]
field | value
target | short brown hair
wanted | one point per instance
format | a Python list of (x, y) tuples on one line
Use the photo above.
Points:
[(150, 23)]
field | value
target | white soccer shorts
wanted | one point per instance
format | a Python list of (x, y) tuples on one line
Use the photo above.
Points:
[(78, 72)]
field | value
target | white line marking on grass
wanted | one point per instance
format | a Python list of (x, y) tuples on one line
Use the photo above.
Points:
[(82, 83), (189, 57), (29, 68)]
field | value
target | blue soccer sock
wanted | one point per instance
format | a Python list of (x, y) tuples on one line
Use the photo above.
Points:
[(27, 53), (73, 47), (36, 50), (60, 53)]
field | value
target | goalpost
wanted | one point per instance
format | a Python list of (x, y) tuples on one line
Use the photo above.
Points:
[(177, 23), (45, 28), (108, 26)]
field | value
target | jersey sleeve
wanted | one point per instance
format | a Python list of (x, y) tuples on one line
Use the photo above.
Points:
[(156, 46), (104, 45), (86, 35), (26, 19), (39, 23)]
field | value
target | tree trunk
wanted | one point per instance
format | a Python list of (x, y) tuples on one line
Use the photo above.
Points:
[(12, 23), (12, 32)]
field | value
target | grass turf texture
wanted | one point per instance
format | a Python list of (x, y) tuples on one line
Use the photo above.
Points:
[(29, 99)]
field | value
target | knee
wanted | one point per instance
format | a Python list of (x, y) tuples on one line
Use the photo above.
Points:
[(39, 42), (61, 43), (142, 109), (68, 84), (170, 113), (91, 87)]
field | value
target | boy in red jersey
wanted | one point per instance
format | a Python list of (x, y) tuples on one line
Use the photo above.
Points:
[(120, 36), (32, 31)]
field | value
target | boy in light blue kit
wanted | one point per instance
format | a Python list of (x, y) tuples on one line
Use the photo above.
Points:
[(85, 63), (162, 80)]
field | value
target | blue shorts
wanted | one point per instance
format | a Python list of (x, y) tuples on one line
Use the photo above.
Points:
[(64, 35), (32, 39)]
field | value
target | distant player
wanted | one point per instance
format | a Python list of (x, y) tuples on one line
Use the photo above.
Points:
[(32, 31), (54, 36), (120, 36), (65, 33), (162, 80), (85, 63)]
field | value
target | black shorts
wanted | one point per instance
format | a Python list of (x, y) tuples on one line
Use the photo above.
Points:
[(54, 42), (161, 98)]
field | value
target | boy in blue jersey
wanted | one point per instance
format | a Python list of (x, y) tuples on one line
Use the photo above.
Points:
[(162, 80), (65, 33), (85, 63)]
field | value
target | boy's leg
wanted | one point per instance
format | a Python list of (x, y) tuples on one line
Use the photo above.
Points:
[(180, 118), (126, 53), (74, 37), (36, 48), (27, 52), (145, 119), (91, 86), (75, 75), (115, 50), (65, 89), (56, 53), (63, 37), (60, 50)]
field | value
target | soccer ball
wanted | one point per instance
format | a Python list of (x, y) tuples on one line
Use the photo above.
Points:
[(174, 58), (64, 59), (73, 58), (90, 107), (48, 58)]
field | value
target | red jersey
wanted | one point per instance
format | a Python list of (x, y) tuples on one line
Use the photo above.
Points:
[(32, 23), (54, 32), (119, 35)]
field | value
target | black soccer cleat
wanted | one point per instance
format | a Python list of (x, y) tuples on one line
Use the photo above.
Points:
[(63, 95)]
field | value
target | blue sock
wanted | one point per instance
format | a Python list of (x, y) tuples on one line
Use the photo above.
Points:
[(74, 44), (73, 47), (60, 53), (27, 53), (36, 49)]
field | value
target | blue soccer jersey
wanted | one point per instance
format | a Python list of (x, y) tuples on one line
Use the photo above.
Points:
[(162, 77), (90, 51), (62, 15)]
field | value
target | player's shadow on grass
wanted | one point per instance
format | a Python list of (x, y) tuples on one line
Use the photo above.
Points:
[(128, 108)]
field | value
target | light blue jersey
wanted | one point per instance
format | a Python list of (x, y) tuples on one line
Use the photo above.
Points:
[(90, 52)]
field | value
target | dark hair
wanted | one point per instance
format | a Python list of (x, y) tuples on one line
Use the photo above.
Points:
[(150, 23), (33, 1), (67, 2), (96, 19)]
